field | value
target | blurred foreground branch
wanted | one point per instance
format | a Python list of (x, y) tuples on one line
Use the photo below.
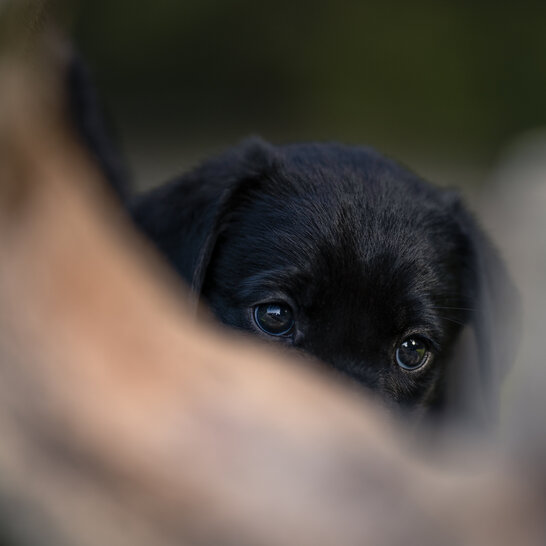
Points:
[(124, 421)]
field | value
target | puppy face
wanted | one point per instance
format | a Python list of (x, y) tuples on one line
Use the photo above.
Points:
[(336, 252)]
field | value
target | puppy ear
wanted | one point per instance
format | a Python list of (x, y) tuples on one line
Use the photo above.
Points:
[(185, 217), (487, 350)]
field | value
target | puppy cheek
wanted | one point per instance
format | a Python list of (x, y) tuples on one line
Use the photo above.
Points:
[(415, 393)]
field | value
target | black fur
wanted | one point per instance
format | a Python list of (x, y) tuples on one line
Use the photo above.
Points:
[(365, 253)]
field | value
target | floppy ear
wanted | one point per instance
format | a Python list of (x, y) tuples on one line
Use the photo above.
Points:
[(185, 217), (487, 349)]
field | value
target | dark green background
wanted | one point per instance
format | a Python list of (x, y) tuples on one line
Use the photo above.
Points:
[(443, 86)]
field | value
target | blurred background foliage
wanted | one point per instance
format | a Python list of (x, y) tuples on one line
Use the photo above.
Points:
[(442, 86)]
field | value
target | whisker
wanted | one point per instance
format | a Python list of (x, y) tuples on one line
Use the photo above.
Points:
[(455, 308), (459, 322), (454, 299)]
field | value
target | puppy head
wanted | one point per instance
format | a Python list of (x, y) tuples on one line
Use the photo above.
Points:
[(343, 254)]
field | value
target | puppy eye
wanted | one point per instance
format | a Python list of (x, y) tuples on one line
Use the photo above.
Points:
[(275, 318), (412, 353)]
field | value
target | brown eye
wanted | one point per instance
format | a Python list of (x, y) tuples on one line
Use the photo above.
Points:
[(275, 318), (412, 353)]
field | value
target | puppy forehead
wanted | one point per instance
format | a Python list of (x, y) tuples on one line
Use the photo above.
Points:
[(334, 231), (346, 209)]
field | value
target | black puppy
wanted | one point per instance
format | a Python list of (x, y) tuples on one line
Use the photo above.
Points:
[(342, 253)]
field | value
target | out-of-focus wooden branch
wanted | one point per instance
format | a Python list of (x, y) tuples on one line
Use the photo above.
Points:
[(125, 421)]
